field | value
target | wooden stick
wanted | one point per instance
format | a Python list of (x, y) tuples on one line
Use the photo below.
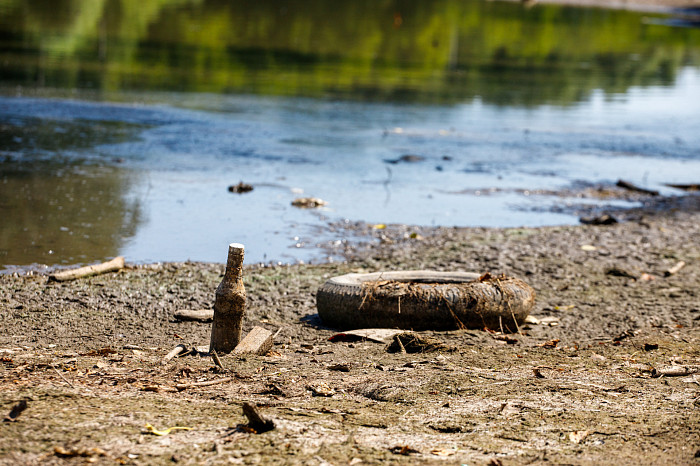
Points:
[(184, 386), (111, 266), (199, 315), (631, 187), (175, 351), (675, 269), (675, 371)]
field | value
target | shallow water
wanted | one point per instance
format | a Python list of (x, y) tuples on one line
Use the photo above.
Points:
[(102, 155)]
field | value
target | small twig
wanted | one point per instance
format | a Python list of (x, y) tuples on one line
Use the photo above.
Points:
[(184, 386), (217, 361), (675, 269), (401, 347), (61, 375), (510, 308)]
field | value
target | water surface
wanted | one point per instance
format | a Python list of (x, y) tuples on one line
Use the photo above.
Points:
[(122, 124)]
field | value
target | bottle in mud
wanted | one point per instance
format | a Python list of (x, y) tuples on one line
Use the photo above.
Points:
[(229, 306)]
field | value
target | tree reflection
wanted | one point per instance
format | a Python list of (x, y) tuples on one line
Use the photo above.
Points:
[(439, 51)]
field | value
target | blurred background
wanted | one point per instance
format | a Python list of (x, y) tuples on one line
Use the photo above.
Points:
[(123, 122)]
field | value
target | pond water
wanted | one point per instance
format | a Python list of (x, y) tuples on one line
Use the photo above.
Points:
[(122, 124)]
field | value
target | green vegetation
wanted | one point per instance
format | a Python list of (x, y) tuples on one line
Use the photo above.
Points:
[(440, 51)]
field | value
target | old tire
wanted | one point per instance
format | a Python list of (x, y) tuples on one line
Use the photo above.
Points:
[(422, 300)]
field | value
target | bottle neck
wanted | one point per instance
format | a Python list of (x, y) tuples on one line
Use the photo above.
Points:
[(234, 263)]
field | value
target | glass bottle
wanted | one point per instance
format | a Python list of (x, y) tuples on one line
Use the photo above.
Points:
[(229, 306)]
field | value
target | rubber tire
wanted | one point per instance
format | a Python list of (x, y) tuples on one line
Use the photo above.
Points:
[(460, 300)]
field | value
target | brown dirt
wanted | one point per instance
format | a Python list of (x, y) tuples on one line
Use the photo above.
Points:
[(88, 356)]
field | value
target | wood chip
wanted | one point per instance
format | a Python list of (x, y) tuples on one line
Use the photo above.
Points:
[(258, 341)]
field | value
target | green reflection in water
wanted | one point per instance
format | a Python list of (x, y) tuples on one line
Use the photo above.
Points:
[(437, 51)]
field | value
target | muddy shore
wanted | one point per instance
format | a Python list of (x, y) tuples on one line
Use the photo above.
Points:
[(577, 388)]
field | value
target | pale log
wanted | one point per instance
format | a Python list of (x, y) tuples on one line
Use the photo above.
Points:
[(196, 315), (110, 266)]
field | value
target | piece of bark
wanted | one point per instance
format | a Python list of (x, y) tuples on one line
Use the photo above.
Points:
[(194, 315), (258, 341), (255, 421), (675, 371), (110, 266), (675, 269), (631, 187)]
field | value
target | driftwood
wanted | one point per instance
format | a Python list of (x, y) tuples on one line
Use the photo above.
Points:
[(194, 315), (111, 266), (258, 341), (675, 269), (631, 187), (675, 371), (175, 351)]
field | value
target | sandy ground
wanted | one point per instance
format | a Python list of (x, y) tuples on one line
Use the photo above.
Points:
[(580, 387)]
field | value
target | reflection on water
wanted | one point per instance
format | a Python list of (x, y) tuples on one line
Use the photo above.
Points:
[(63, 214), (124, 122), (447, 51)]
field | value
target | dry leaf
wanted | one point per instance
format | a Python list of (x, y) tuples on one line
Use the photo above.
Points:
[(154, 431)]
